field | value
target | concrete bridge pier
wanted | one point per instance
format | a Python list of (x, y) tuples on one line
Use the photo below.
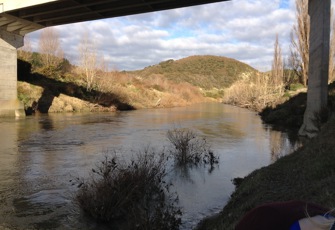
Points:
[(10, 106), (317, 94)]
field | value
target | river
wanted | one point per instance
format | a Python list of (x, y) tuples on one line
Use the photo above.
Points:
[(40, 154)]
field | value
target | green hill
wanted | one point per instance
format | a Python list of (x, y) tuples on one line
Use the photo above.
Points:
[(207, 72)]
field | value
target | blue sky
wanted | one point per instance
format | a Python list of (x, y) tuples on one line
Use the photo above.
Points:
[(240, 29)]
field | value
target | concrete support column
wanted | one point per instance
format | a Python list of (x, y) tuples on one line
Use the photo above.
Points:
[(9, 104), (317, 94)]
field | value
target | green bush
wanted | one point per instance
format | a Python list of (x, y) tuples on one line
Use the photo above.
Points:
[(36, 60), (214, 93), (133, 196), (295, 87)]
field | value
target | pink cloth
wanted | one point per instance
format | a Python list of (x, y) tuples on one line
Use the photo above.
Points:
[(278, 216)]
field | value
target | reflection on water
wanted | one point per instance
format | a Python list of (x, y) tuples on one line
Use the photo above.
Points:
[(280, 144), (39, 156)]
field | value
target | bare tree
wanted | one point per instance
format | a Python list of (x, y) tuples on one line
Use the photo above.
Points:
[(25, 52), (277, 65), (88, 62), (103, 74), (49, 47), (300, 42), (289, 75)]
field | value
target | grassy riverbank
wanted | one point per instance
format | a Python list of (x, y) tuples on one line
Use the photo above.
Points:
[(307, 174)]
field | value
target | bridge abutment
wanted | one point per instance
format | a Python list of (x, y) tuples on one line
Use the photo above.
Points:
[(317, 94), (10, 106)]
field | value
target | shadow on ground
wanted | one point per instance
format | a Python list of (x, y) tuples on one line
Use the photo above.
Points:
[(53, 88), (290, 114)]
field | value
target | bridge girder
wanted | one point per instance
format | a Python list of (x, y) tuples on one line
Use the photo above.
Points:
[(27, 19)]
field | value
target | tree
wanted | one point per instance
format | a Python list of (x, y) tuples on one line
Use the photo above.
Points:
[(300, 42), (25, 52), (277, 65), (49, 47), (88, 62)]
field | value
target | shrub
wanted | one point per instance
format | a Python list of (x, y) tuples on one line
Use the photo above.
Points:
[(295, 87), (190, 148), (253, 93), (214, 93), (133, 196)]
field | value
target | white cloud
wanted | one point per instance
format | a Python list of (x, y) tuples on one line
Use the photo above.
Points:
[(240, 29)]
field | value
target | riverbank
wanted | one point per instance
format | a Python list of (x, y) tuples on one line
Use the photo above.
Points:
[(41, 93), (44, 89), (307, 174)]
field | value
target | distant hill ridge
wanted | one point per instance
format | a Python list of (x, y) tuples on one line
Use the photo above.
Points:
[(205, 71)]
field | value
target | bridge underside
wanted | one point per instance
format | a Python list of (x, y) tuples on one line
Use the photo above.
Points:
[(62, 12)]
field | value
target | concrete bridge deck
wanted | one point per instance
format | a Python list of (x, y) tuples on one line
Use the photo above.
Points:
[(28, 18)]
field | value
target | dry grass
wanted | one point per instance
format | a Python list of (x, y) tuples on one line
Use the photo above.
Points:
[(253, 93), (28, 93), (154, 91)]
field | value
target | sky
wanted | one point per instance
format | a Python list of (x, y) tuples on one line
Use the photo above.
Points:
[(241, 29)]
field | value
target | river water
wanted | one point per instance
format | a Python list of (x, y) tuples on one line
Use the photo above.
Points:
[(40, 154)]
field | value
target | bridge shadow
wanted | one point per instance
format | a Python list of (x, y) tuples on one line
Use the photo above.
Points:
[(54, 88)]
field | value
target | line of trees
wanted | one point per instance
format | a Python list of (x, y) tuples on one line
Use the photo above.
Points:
[(51, 58), (267, 90), (277, 73), (298, 61)]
